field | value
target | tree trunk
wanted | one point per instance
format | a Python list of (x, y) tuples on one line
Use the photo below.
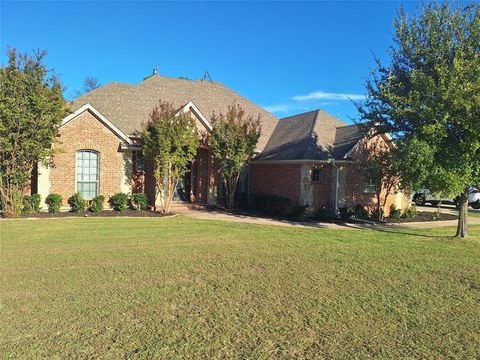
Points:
[(462, 227)]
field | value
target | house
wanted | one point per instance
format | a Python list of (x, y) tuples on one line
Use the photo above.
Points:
[(309, 158), (314, 159), (99, 144)]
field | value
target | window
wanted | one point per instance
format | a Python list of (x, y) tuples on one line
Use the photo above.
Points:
[(316, 175), (139, 161), (369, 187), (87, 173)]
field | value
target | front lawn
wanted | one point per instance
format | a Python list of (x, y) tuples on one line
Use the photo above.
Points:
[(182, 288)]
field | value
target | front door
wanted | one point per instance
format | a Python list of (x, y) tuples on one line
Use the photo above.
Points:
[(182, 192)]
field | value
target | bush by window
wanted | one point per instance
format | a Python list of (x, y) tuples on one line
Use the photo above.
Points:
[(76, 202), (54, 203), (139, 201), (120, 201), (96, 205), (31, 204)]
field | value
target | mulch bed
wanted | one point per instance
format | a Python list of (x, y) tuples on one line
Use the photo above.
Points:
[(423, 216), (104, 213)]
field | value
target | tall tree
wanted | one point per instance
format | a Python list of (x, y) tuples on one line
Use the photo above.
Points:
[(31, 110), (170, 143), (428, 98), (232, 141)]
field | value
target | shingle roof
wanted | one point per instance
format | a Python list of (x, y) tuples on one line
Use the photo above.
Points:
[(128, 106), (315, 135)]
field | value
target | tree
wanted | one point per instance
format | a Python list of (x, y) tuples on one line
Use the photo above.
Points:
[(90, 83), (232, 141), (170, 143), (428, 98), (31, 110)]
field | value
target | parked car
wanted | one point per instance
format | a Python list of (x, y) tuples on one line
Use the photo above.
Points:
[(473, 198), (425, 196)]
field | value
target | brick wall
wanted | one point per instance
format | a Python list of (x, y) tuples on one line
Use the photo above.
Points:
[(86, 132), (322, 190), (276, 179)]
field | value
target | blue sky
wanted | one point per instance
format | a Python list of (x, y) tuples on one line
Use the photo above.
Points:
[(288, 57)]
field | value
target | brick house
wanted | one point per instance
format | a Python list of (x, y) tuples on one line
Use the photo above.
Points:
[(309, 158), (314, 159)]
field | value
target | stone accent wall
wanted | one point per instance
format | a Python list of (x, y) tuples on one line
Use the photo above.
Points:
[(86, 132)]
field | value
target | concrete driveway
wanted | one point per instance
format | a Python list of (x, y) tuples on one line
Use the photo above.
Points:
[(446, 209)]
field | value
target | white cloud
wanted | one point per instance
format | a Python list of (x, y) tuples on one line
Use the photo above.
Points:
[(321, 95), (295, 106)]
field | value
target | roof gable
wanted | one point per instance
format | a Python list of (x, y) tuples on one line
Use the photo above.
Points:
[(129, 106), (107, 123), (315, 135)]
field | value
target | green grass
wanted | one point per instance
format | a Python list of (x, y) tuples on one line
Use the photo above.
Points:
[(181, 288)]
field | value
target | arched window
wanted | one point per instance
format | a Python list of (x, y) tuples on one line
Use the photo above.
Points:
[(87, 173)]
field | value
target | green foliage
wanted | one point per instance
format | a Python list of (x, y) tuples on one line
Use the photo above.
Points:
[(345, 212), (139, 201), (360, 212), (54, 203), (395, 213), (233, 141), (270, 204), (31, 110), (120, 201), (77, 203), (96, 204), (428, 97), (322, 213), (31, 204), (170, 143), (411, 212), (298, 211)]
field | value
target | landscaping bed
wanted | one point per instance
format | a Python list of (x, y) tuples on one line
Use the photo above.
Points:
[(424, 216), (104, 213)]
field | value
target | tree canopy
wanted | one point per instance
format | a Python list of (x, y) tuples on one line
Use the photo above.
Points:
[(233, 140), (31, 110), (170, 143), (428, 98)]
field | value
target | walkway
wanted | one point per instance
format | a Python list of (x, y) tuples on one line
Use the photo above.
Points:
[(198, 212)]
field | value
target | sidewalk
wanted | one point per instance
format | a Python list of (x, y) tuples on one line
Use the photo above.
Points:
[(198, 212)]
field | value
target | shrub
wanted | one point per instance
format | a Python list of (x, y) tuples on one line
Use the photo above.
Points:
[(375, 214), (322, 213), (359, 212), (120, 201), (139, 201), (54, 202), (77, 203), (271, 204), (298, 211), (96, 205), (31, 203), (411, 212), (395, 213), (345, 212)]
